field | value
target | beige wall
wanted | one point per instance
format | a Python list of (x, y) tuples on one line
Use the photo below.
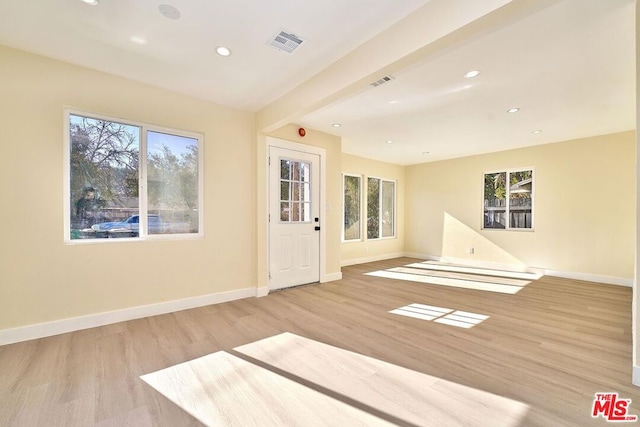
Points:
[(584, 208), (331, 215), (41, 278), (584, 214), (354, 252)]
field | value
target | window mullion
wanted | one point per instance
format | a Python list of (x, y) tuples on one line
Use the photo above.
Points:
[(142, 185), (380, 209), (507, 220)]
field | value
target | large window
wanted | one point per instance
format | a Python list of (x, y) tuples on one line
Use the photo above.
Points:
[(381, 202), (508, 200), (131, 180), (352, 195)]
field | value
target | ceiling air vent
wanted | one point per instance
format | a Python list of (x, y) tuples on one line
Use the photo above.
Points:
[(288, 42), (385, 79)]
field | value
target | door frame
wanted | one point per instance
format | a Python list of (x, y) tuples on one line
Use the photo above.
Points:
[(322, 154)]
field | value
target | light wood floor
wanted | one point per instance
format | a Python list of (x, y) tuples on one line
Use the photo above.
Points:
[(551, 346)]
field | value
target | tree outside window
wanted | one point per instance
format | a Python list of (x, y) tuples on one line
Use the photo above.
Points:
[(352, 195), (380, 208)]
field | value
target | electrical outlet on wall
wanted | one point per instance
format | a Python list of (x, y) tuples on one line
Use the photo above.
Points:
[(471, 251)]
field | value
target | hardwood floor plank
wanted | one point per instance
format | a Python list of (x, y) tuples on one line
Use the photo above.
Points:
[(552, 346), (221, 389), (402, 393)]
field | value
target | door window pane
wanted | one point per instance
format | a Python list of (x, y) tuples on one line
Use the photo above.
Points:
[(295, 212), (285, 187), (305, 172), (285, 169), (306, 193), (284, 212), (296, 191), (296, 171), (305, 212)]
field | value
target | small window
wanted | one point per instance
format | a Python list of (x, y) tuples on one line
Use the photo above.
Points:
[(128, 180), (508, 200), (352, 195), (381, 200)]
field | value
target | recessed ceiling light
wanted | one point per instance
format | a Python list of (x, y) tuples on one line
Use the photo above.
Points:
[(471, 74), (169, 11), (336, 125), (389, 141), (392, 102), (91, 2), (138, 40), (536, 131), (426, 152), (223, 51), (513, 110)]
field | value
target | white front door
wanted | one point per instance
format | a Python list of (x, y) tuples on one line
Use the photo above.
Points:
[(294, 218)]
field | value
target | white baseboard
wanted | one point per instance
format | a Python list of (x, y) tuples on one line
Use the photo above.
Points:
[(420, 256), (635, 380), (331, 277), (262, 292), (491, 265), (588, 277), (476, 263), (371, 259), (40, 330), (609, 280)]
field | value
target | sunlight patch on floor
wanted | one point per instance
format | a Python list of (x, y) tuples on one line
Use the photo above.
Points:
[(290, 380), (444, 281), (447, 316), (481, 279), (432, 265), (221, 389)]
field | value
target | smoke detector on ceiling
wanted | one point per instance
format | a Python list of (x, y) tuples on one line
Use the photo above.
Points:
[(169, 11), (285, 41)]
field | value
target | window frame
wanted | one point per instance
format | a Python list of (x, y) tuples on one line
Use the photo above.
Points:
[(395, 209), (507, 172), (360, 205), (143, 203)]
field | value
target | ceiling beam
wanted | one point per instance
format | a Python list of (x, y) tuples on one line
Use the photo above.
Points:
[(434, 28)]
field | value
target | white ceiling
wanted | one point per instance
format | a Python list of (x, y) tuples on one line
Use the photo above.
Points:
[(180, 54), (569, 67)]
